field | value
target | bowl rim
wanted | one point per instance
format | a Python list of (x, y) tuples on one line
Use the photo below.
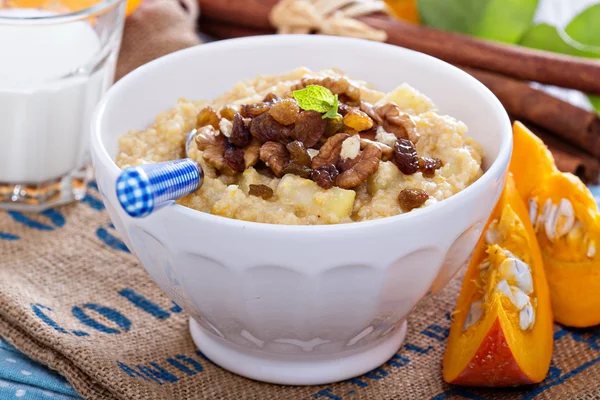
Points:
[(495, 171)]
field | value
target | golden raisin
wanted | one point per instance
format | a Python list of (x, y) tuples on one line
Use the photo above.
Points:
[(271, 98), (285, 111), (207, 116), (260, 191), (358, 120), (254, 110), (228, 112), (410, 199)]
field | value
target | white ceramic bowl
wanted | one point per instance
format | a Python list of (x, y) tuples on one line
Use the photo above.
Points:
[(301, 304)]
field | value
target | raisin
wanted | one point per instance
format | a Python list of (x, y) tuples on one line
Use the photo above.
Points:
[(240, 134), (266, 129), (428, 165), (300, 170), (309, 128), (207, 116), (285, 111), (410, 199), (298, 153), (254, 110), (344, 109), (234, 158), (405, 156), (260, 191), (358, 120), (271, 98), (334, 125), (228, 113), (325, 176)]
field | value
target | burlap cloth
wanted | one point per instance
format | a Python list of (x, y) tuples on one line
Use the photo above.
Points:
[(73, 298)]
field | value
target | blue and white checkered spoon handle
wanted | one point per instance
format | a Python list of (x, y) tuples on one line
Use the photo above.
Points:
[(146, 188)]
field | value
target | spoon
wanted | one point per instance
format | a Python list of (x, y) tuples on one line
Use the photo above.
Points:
[(143, 189)]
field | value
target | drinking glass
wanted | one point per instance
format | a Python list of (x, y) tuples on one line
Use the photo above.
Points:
[(57, 59)]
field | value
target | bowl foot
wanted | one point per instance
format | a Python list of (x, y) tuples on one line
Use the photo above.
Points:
[(290, 370)]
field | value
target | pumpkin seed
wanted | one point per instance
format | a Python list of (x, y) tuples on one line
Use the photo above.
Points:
[(475, 313), (484, 266), (550, 220), (533, 209), (527, 317), (591, 251), (517, 270), (492, 235), (565, 218)]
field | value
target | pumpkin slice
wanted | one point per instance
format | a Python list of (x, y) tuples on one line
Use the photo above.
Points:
[(501, 333), (567, 223)]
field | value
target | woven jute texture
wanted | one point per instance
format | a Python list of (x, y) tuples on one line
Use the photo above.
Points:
[(74, 298)]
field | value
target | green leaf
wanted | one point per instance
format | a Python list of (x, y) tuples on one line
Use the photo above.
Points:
[(585, 27), (500, 20), (595, 100), (315, 98), (580, 38), (549, 38), (332, 112)]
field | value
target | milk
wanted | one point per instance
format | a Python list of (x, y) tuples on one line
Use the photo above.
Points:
[(47, 94)]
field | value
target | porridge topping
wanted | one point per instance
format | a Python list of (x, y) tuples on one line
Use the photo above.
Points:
[(313, 118), (312, 148), (260, 191), (410, 199), (405, 156)]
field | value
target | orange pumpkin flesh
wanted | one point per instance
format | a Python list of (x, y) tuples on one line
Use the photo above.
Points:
[(572, 260), (495, 351)]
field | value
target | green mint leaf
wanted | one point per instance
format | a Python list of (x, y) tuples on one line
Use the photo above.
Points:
[(315, 98), (500, 20), (332, 112)]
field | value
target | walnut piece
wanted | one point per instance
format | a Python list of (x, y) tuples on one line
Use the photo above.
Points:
[(251, 153), (329, 154), (397, 122), (275, 156), (368, 109), (365, 165), (386, 151), (213, 145)]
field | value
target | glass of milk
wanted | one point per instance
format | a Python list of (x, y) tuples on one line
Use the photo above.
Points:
[(55, 64)]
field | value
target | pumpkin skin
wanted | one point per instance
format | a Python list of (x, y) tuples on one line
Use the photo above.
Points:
[(495, 351), (572, 262)]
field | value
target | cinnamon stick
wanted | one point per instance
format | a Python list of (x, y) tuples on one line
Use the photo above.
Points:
[(568, 158), (519, 62), (574, 125), (220, 30)]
